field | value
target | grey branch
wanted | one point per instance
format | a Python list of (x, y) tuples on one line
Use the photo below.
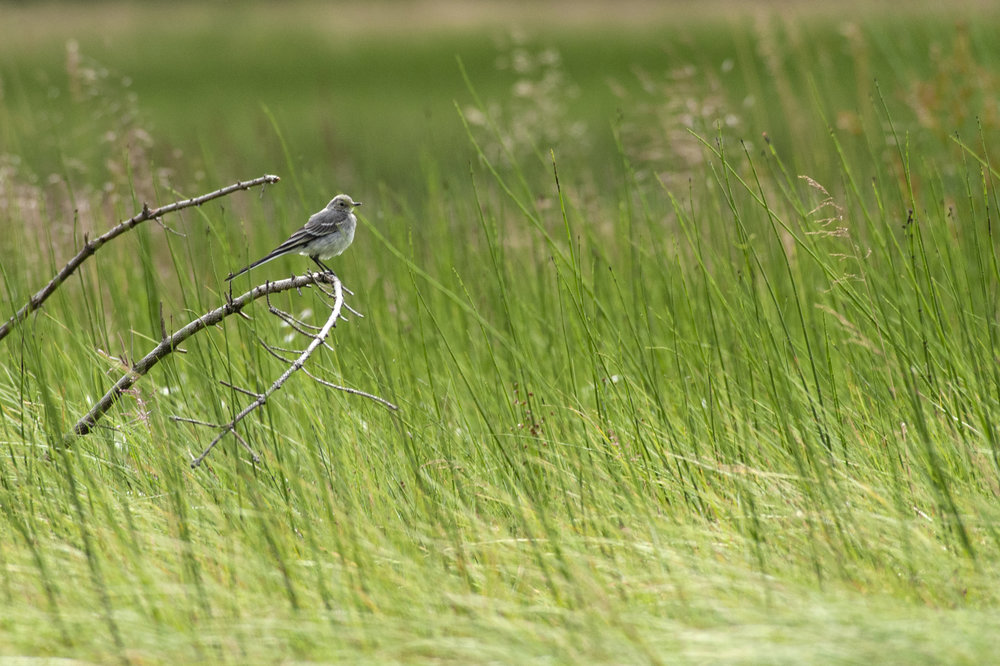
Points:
[(353, 391), (91, 246), (317, 340), (169, 343)]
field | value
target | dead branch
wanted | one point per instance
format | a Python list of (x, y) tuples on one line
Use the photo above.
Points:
[(230, 385), (91, 246), (253, 456), (317, 340), (353, 391), (169, 344), (273, 351)]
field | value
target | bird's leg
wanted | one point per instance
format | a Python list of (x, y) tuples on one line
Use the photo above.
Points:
[(326, 269)]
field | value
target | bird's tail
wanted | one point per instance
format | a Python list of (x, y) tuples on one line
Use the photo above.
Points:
[(263, 260)]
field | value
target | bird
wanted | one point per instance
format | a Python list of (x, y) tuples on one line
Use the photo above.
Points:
[(327, 234)]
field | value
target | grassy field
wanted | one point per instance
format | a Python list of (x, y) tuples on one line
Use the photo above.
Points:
[(691, 317)]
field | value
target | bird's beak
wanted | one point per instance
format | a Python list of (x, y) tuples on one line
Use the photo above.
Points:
[(357, 203)]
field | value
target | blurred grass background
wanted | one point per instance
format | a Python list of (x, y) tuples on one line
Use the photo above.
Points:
[(724, 391)]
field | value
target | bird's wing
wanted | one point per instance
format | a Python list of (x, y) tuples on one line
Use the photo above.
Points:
[(320, 224), (325, 222)]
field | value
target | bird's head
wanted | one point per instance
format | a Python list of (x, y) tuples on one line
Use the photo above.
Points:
[(342, 202)]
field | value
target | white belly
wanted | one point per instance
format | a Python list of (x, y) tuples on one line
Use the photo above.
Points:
[(333, 244)]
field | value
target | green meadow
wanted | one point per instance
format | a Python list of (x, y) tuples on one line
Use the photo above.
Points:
[(691, 317)]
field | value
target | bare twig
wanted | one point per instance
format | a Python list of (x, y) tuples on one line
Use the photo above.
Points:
[(353, 311), (292, 321), (245, 445), (230, 385), (353, 391), (91, 246), (327, 292), (169, 343), (274, 352), (216, 426), (275, 349), (297, 324), (347, 306), (184, 419), (296, 365), (270, 350), (170, 230)]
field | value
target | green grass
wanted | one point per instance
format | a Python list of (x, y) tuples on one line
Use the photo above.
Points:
[(670, 391)]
